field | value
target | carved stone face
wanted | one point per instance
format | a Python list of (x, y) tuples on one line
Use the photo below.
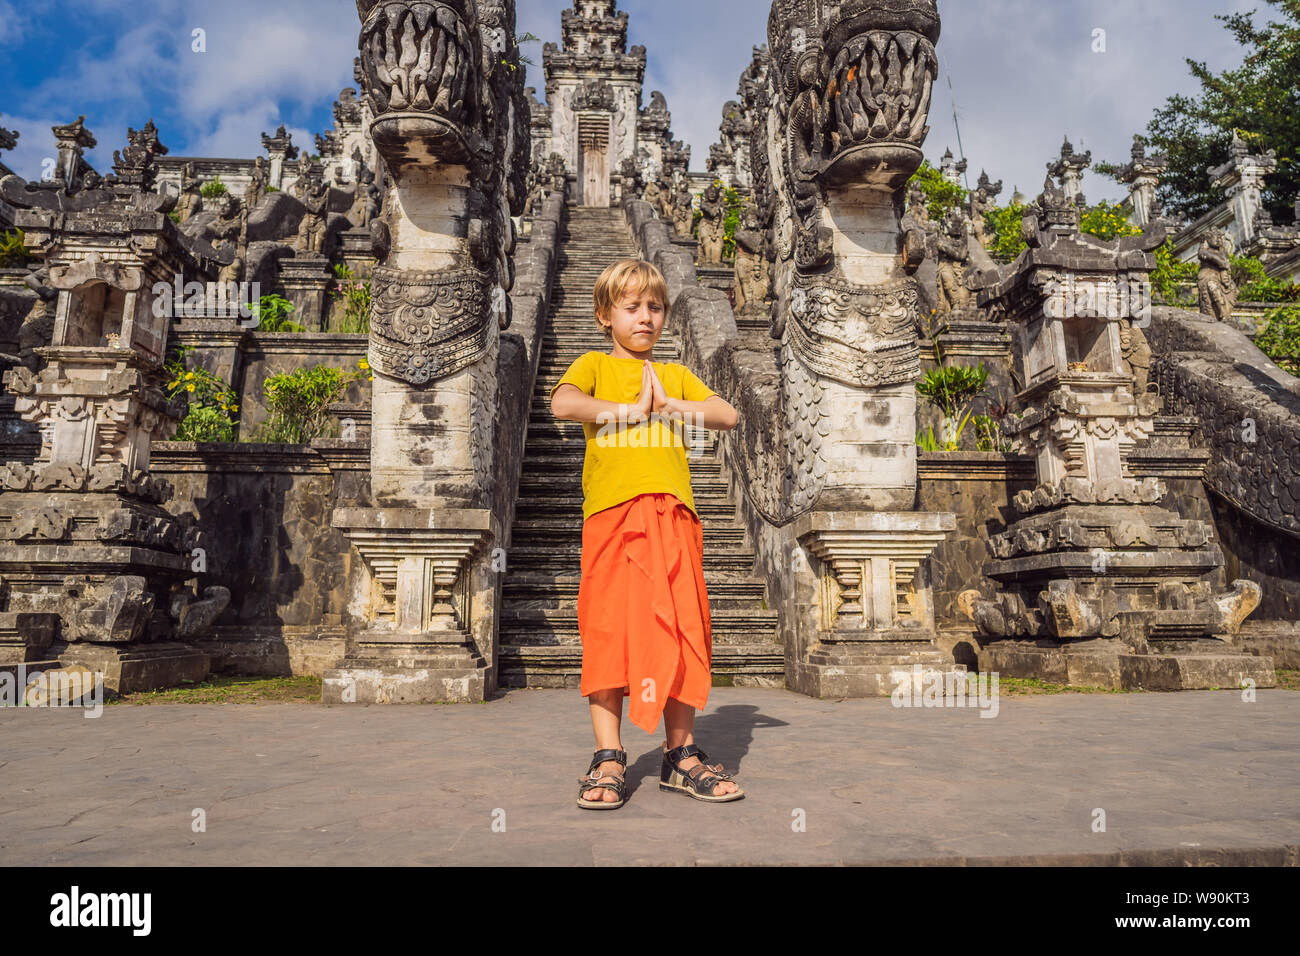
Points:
[(875, 75), (421, 63)]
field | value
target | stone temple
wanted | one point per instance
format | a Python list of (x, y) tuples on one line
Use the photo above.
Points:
[(1133, 523)]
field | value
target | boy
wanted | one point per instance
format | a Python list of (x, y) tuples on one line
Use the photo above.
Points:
[(643, 607)]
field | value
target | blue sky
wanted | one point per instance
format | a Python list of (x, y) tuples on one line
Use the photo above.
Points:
[(1024, 71)]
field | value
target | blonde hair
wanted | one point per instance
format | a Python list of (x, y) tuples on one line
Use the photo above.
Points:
[(627, 276)]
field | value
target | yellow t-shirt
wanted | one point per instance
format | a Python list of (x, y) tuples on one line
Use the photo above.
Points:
[(623, 462)]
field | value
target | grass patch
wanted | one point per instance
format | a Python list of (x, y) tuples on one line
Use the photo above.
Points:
[(232, 690), (1287, 678), (1032, 686)]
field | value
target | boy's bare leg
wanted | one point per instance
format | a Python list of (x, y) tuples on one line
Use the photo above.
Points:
[(606, 718), (679, 728)]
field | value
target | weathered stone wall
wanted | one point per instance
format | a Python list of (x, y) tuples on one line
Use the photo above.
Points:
[(266, 511), (978, 488), (1248, 414)]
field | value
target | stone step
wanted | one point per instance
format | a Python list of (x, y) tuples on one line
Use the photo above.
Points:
[(544, 631), (554, 460), (540, 645), (560, 666), (544, 589), (549, 486), (538, 531), (565, 557), (537, 512)]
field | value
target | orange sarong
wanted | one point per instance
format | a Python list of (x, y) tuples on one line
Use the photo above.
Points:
[(643, 607)]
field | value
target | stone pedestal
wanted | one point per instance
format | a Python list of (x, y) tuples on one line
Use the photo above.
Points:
[(306, 282), (870, 618), (1098, 584), (419, 645), (25, 638)]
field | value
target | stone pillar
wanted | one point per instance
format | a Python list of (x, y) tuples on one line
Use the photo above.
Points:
[(306, 281), (280, 148), (1142, 176), (72, 140), (1242, 179), (846, 316), (439, 304), (1068, 171)]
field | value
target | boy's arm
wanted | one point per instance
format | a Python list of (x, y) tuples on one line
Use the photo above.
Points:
[(572, 404), (714, 412)]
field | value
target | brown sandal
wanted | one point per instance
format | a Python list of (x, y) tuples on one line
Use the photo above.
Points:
[(699, 781), (595, 780)]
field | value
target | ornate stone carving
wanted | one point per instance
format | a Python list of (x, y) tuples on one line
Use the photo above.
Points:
[(113, 612), (954, 254), (428, 325), (1214, 283), (863, 336), (712, 230), (259, 183), (191, 200), (983, 200), (753, 276), (228, 234)]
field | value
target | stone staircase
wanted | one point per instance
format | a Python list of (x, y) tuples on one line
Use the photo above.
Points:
[(539, 620)]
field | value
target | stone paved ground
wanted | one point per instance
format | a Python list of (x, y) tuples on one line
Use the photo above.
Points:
[(1184, 774)]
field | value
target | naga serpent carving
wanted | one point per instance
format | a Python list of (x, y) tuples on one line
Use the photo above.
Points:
[(849, 86)]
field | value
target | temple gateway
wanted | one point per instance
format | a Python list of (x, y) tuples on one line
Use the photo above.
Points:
[(1113, 503)]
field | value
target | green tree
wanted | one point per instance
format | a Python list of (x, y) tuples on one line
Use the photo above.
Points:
[(1260, 99), (941, 195), (1002, 232), (1106, 222)]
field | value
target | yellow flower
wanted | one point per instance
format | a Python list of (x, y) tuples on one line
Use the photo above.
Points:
[(364, 364), (189, 388), (189, 375)]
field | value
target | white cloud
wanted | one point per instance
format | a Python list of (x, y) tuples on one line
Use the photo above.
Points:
[(1023, 72)]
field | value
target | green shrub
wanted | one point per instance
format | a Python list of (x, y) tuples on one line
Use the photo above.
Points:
[(952, 389), (213, 406), (355, 296), (298, 402), (1280, 338), (272, 313), (1002, 232), (1255, 286), (14, 254), (732, 203), (213, 188), (1171, 275)]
